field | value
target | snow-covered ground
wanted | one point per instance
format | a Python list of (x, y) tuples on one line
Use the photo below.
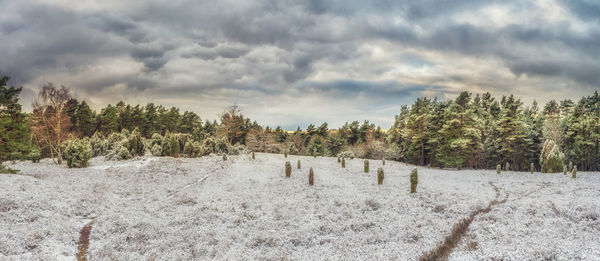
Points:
[(205, 208)]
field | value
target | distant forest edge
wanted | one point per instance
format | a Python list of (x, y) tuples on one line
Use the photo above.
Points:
[(472, 131)]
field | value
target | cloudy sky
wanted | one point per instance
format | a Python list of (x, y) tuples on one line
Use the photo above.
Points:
[(295, 62)]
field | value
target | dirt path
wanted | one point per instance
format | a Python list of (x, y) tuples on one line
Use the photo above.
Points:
[(84, 241), (444, 248)]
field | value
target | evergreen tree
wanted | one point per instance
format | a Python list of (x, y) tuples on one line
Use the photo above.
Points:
[(108, 120), (84, 120), (511, 133), (415, 131), (14, 129)]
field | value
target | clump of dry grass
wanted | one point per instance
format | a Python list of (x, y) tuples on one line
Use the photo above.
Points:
[(311, 177)]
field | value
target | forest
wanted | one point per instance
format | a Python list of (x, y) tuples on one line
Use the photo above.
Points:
[(473, 131)]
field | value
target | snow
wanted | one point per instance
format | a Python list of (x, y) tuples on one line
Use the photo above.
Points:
[(207, 208)]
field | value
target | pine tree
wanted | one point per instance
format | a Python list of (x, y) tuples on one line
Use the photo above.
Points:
[(511, 133), (461, 136), (14, 129), (415, 131)]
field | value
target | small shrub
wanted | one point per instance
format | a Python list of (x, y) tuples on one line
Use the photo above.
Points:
[(366, 166), (192, 149), (99, 144), (35, 156), (311, 177), (285, 154), (531, 167), (498, 169), (288, 169), (224, 157), (209, 145), (77, 153), (380, 176), (156, 150), (222, 145), (343, 163), (414, 180), (253, 156), (564, 169), (507, 167), (574, 172), (383, 161), (170, 145), (123, 153), (298, 165), (339, 160), (135, 143)]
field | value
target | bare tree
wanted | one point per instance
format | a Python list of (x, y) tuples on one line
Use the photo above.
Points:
[(49, 122)]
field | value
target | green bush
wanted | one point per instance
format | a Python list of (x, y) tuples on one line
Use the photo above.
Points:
[(339, 160), (253, 156), (366, 166), (564, 169), (123, 153), (498, 169), (574, 172), (380, 176), (224, 157), (156, 139), (298, 165), (99, 144), (135, 144), (311, 177), (77, 153), (192, 149), (209, 145), (414, 180), (170, 145), (551, 158), (222, 145), (35, 156), (288, 169), (156, 150), (343, 163)]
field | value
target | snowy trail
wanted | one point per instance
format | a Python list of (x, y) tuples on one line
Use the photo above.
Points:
[(451, 241), (84, 241)]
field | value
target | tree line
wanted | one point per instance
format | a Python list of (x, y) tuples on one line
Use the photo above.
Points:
[(468, 132)]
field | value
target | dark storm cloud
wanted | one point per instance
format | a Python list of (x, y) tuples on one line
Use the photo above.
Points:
[(378, 50)]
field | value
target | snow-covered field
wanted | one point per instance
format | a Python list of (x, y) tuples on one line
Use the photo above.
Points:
[(205, 208)]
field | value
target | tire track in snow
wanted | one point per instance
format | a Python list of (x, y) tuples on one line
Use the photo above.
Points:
[(451, 241)]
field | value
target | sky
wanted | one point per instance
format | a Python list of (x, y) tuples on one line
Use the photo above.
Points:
[(292, 63)]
